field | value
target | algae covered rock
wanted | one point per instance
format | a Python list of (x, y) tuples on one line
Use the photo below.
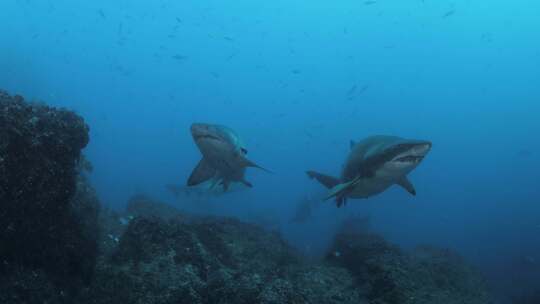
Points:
[(143, 205), (212, 260), (391, 276), (189, 259), (47, 214)]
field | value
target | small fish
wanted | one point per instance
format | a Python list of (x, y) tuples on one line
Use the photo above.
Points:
[(179, 57), (178, 20), (486, 37), (296, 72), (449, 13), (369, 2), (102, 14), (228, 39), (123, 221), (351, 90), (114, 238), (363, 89)]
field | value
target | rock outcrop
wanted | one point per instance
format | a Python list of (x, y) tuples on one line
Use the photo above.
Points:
[(47, 220), (387, 274), (213, 260), (168, 257)]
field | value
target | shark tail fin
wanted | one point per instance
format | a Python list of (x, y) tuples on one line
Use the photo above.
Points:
[(340, 191), (201, 173), (249, 163), (328, 181)]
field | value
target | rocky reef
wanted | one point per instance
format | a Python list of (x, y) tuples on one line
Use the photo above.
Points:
[(58, 246), (211, 260), (47, 217), (389, 275), (527, 297), (169, 257)]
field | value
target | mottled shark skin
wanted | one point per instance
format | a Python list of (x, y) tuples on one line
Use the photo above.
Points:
[(224, 156), (373, 165)]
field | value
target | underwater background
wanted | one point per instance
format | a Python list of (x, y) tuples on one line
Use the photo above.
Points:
[(298, 80)]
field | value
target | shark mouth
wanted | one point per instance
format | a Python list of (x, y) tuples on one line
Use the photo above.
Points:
[(205, 136), (409, 159)]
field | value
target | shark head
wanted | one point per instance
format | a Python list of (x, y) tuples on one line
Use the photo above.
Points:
[(215, 138), (404, 156)]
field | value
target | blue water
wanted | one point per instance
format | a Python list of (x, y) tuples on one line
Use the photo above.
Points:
[(297, 80)]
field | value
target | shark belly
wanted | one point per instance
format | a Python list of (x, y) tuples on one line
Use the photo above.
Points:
[(368, 187)]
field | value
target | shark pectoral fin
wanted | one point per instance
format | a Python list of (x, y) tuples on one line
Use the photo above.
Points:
[(249, 163), (201, 173), (407, 185), (248, 184), (328, 181), (342, 190)]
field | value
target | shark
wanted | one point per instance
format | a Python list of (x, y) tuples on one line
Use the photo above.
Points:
[(373, 165), (224, 156)]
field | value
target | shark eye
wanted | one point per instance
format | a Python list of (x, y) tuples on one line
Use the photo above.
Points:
[(244, 150)]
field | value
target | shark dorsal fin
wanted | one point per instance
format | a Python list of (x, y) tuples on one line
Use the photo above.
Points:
[(352, 143)]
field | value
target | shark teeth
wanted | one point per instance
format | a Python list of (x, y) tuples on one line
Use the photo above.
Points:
[(409, 159)]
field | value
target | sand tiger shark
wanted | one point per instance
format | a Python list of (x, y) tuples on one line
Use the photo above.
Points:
[(224, 156), (373, 165)]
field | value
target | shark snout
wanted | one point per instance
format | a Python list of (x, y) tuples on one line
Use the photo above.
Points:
[(413, 151), (423, 148), (200, 130)]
